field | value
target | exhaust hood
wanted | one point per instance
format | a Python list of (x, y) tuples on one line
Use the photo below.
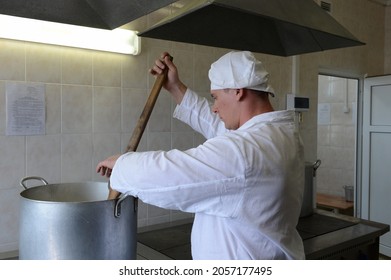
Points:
[(277, 27), (104, 14)]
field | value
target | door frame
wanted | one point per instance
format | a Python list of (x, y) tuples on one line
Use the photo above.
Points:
[(368, 129), (366, 99), (359, 130)]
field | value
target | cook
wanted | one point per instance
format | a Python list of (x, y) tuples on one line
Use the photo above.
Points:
[(244, 184)]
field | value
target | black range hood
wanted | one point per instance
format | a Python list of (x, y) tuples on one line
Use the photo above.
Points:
[(105, 14), (277, 27)]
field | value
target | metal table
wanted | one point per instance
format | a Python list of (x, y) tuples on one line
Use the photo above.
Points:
[(359, 239)]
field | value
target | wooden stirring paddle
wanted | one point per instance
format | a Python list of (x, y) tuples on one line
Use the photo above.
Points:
[(142, 121)]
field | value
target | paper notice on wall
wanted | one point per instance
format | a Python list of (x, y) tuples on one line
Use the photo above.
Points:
[(324, 114), (25, 109)]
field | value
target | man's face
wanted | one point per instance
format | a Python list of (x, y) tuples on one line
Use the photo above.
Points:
[(226, 106)]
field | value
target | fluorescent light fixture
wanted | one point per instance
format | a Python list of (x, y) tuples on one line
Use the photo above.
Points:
[(38, 31)]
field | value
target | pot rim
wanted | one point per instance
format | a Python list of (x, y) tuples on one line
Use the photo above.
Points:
[(27, 193)]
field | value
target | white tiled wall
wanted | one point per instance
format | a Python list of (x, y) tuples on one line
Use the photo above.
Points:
[(336, 139), (93, 101)]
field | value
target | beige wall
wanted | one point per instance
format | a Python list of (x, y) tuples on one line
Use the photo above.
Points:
[(93, 100)]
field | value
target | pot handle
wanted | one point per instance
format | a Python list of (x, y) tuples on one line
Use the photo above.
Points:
[(117, 207), (32, 178), (316, 166)]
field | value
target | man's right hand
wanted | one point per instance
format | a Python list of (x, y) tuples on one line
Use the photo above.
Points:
[(173, 84)]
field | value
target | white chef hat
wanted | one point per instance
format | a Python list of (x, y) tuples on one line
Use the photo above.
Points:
[(239, 69)]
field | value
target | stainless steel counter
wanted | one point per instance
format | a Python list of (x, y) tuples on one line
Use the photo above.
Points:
[(325, 235), (357, 241)]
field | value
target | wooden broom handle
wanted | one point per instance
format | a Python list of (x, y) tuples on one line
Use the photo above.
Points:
[(143, 120)]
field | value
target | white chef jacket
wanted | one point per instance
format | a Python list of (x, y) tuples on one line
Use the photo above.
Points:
[(244, 186)]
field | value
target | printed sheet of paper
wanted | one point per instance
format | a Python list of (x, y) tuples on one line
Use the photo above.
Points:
[(25, 109), (324, 114)]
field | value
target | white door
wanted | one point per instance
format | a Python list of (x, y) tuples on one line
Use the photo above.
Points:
[(376, 155)]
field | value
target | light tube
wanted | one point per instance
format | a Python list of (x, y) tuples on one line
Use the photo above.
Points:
[(38, 31)]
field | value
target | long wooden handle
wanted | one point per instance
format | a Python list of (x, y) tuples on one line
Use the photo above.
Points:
[(142, 121), (144, 117)]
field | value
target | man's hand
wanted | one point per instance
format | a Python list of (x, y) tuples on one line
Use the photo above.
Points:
[(106, 166), (172, 84)]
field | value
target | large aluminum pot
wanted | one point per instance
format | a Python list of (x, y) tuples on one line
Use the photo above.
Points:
[(309, 195), (75, 221)]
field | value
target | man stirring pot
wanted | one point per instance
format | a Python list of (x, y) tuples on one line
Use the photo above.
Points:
[(244, 183)]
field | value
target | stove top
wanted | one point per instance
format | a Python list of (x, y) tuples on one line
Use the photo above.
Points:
[(174, 241)]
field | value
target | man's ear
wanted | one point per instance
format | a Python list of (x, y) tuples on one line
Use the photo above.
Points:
[(240, 93)]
